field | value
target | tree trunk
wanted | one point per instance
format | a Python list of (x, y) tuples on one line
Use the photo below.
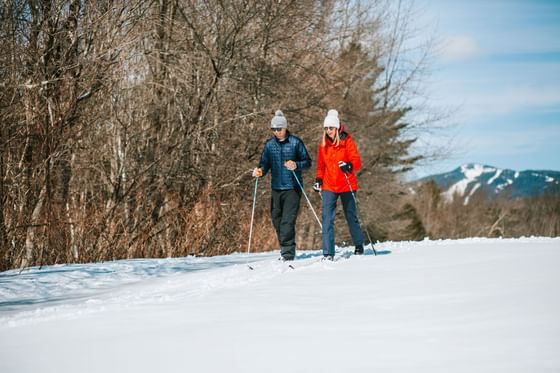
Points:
[(31, 228)]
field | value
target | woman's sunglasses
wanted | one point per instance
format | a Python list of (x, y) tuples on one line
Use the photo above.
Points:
[(330, 128)]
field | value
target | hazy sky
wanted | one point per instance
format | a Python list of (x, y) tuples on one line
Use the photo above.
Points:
[(498, 65)]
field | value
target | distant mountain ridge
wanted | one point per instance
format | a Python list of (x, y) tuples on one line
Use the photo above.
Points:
[(469, 179)]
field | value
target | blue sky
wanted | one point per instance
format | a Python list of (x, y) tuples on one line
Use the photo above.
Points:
[(498, 70)]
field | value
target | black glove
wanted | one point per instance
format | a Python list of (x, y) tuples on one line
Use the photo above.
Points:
[(318, 184), (345, 167)]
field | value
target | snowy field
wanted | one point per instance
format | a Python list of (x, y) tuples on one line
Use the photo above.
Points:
[(475, 305)]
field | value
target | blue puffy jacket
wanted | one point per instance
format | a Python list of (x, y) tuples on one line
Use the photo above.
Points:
[(276, 152)]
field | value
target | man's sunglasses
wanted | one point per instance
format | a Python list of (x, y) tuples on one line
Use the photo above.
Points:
[(276, 129)]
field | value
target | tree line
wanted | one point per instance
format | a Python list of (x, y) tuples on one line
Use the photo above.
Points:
[(430, 215), (129, 127)]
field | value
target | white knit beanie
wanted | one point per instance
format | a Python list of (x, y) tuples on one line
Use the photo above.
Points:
[(331, 120), (279, 120)]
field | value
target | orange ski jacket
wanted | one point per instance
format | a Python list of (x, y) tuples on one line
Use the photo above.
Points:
[(327, 164)]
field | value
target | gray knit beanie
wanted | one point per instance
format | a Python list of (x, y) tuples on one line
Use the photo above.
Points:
[(279, 120)]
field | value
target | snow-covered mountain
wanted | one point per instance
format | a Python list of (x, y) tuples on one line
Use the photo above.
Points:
[(472, 305), (469, 179)]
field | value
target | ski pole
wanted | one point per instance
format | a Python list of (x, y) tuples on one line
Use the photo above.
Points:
[(252, 219), (358, 212), (307, 199)]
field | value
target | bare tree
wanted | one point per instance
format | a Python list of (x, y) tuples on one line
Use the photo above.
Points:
[(131, 126)]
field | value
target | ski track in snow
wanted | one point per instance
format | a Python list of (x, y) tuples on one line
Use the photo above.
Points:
[(470, 305), (72, 291)]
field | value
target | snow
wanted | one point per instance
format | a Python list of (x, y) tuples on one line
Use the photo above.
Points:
[(497, 175), (471, 172), (473, 190), (457, 188), (472, 305), (475, 170)]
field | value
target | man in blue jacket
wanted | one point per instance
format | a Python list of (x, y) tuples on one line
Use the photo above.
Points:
[(282, 154)]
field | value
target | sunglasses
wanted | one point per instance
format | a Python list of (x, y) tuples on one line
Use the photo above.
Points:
[(330, 128), (276, 129)]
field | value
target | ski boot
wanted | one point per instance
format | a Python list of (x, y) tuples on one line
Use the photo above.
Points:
[(359, 250)]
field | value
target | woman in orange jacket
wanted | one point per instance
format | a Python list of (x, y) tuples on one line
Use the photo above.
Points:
[(337, 163)]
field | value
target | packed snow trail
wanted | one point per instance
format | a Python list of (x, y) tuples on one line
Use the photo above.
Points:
[(474, 305)]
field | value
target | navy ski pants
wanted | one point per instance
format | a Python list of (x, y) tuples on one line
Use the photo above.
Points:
[(329, 212)]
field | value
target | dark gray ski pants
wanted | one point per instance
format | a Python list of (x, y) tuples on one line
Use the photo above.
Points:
[(284, 208)]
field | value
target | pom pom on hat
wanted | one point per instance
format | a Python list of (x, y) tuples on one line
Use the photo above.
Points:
[(331, 120), (279, 120)]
